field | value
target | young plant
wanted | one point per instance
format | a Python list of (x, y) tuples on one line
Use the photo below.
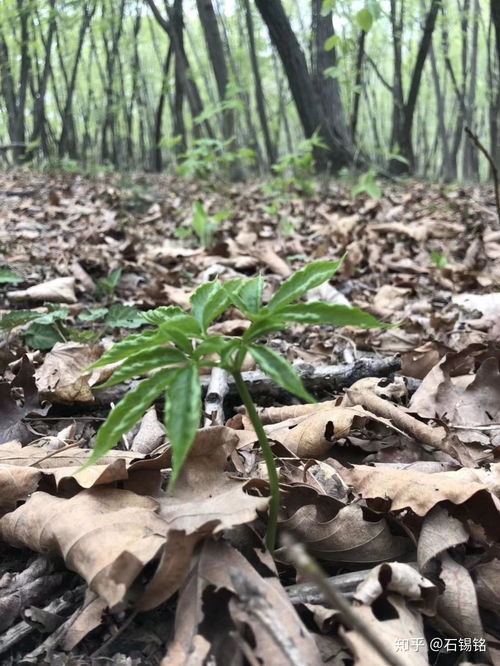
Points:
[(106, 287), (48, 328), (203, 225), (179, 345), (366, 183), (294, 172)]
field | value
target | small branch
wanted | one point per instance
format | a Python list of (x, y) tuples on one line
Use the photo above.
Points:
[(346, 584), (494, 171), (317, 379), (214, 401), (350, 617)]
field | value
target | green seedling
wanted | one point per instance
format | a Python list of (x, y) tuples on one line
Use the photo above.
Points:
[(204, 225), (9, 277), (48, 328), (179, 345), (106, 287), (366, 184), (439, 259)]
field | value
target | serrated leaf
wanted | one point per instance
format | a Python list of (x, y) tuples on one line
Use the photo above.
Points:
[(215, 344), (364, 18), (330, 315), (132, 344), (127, 412), (93, 315), (143, 362), (18, 318), (42, 336), (182, 415), (263, 326), (279, 370), (184, 323), (124, 316), (162, 314), (302, 281), (250, 295), (208, 302), (50, 317), (9, 277)]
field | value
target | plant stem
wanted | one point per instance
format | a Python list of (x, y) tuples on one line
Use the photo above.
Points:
[(272, 472)]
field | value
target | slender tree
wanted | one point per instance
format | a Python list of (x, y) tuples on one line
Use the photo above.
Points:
[(309, 104), (404, 110)]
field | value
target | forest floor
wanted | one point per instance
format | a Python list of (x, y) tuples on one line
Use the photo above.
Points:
[(390, 480)]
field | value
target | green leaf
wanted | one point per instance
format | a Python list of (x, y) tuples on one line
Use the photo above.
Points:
[(162, 314), (208, 302), (263, 326), (132, 344), (331, 315), (124, 316), (183, 323), (215, 344), (302, 281), (127, 412), (9, 277), (327, 7), (55, 315), (182, 415), (249, 295), (364, 18), (332, 72), (173, 334), (332, 42), (93, 315), (279, 370), (145, 361), (18, 318), (42, 336)]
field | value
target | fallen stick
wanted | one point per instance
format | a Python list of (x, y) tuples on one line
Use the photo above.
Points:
[(214, 400), (346, 583), (350, 615), (318, 379), (421, 432)]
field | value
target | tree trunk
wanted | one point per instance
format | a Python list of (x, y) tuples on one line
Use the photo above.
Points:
[(14, 93), (259, 92), (309, 105), (358, 84), (327, 87), (39, 118), (67, 140), (174, 30), (403, 129)]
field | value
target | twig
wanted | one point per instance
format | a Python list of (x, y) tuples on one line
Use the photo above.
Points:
[(214, 400), (21, 630), (494, 171), (56, 451), (420, 432), (352, 619), (317, 379), (102, 648)]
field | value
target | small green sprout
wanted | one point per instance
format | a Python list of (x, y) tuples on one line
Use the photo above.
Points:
[(180, 345)]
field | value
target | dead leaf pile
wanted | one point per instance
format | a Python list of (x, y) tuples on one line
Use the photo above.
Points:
[(391, 480)]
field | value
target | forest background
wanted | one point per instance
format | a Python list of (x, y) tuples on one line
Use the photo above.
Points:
[(231, 87)]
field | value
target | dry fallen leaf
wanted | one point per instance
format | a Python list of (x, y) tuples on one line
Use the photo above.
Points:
[(60, 290), (61, 377)]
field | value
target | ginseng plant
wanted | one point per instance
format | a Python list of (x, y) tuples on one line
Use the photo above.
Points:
[(180, 345)]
